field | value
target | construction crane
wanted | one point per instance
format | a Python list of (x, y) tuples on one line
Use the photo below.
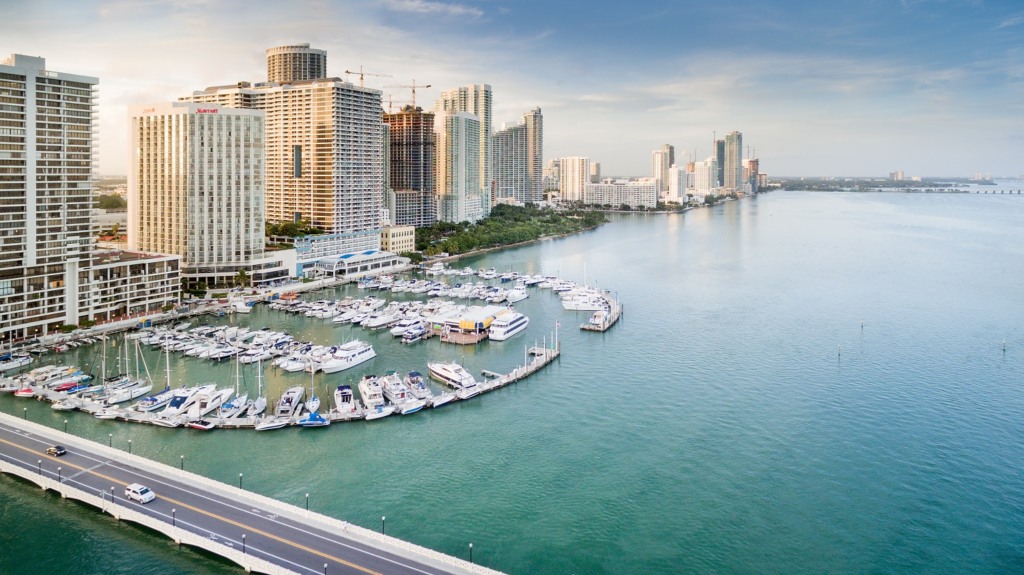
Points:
[(414, 85), (395, 102), (363, 73)]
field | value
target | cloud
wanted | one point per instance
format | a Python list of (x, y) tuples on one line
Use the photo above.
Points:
[(1011, 21), (428, 7)]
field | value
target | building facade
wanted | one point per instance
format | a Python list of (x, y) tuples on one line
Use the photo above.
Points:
[(733, 170), (518, 164), (575, 174), (47, 157), (662, 160), (635, 194), (295, 63), (705, 178), (195, 189), (412, 157), (458, 171), (398, 239), (477, 100)]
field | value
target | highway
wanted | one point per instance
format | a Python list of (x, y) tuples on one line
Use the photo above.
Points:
[(289, 537)]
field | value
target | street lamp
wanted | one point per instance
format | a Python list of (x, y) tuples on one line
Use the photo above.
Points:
[(183, 463), (239, 480), (59, 479), (174, 519), (111, 493), (110, 440), (26, 413), (325, 569), (382, 524), (470, 552), (129, 447), (39, 467), (65, 426), (243, 543), (307, 502)]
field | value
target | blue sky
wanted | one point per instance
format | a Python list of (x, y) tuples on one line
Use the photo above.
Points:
[(850, 88)]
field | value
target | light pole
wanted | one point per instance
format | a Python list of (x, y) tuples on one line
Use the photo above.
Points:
[(325, 569), (243, 543), (65, 426), (183, 463), (307, 502), (239, 480), (470, 552), (382, 524), (129, 447), (59, 478), (174, 519), (39, 467), (110, 440), (111, 493), (26, 413)]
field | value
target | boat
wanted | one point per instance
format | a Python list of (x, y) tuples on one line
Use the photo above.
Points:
[(439, 400), (268, 423), (258, 405), (135, 390), (14, 361), (414, 334), (69, 404), (27, 391), (399, 395), (290, 403), (507, 325), (313, 403), (108, 413), (207, 401), (154, 402), (313, 419), (345, 404), (373, 398), (203, 424), (405, 324), (348, 355), (183, 398), (584, 302), (457, 377), (516, 294), (418, 386), (378, 412)]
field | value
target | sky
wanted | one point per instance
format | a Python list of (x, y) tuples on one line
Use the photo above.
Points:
[(818, 88)]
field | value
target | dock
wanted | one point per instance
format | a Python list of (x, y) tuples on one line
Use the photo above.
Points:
[(258, 533), (607, 320), (540, 357)]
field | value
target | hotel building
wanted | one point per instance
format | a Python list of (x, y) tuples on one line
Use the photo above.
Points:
[(458, 171), (289, 64), (575, 174), (635, 194), (475, 99), (518, 162)]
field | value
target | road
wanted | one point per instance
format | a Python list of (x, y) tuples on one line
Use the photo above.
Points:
[(239, 522)]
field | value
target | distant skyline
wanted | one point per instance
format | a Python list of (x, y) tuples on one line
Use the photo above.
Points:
[(929, 87)]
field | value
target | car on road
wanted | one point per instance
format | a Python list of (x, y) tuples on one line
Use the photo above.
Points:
[(139, 493), (56, 450)]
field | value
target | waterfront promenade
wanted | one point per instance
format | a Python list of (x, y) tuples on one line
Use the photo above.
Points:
[(258, 533)]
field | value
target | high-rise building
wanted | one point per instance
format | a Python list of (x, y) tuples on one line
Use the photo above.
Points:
[(720, 162), (733, 172), (595, 172), (458, 170), (324, 160), (475, 99), (50, 274), (677, 184), (195, 189), (635, 194), (705, 177), (575, 175), (552, 175), (518, 166), (295, 63), (750, 179), (663, 159), (413, 153)]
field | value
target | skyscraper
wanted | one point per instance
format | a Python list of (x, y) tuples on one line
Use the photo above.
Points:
[(663, 159), (475, 99), (324, 159), (733, 172), (518, 166), (295, 63), (195, 189), (458, 169), (575, 175), (49, 273), (705, 176), (413, 153), (720, 163)]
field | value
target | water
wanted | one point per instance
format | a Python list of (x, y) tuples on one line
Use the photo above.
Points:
[(738, 419)]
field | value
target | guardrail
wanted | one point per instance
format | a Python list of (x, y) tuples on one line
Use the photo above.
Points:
[(324, 522)]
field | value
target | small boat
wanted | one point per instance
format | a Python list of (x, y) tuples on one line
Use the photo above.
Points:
[(414, 334), (108, 413), (379, 411), (154, 402), (456, 376), (313, 419), (69, 404), (418, 386), (290, 403), (345, 404), (268, 423), (203, 424), (14, 361), (27, 391)]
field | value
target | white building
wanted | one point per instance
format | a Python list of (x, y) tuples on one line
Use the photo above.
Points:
[(574, 176), (616, 193), (676, 184), (459, 197), (705, 178), (518, 147), (552, 175), (47, 158), (324, 159), (475, 99), (662, 160), (732, 174), (195, 189)]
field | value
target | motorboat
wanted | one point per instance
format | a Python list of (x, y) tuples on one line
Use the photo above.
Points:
[(378, 411), (11, 361), (154, 402), (313, 419), (134, 391), (290, 403), (183, 398), (507, 325), (345, 404), (268, 423), (414, 334), (348, 355), (418, 386), (405, 324), (234, 407), (399, 395), (108, 413), (456, 376), (202, 424), (516, 294), (70, 404)]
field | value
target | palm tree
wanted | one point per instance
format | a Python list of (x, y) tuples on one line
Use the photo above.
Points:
[(242, 278)]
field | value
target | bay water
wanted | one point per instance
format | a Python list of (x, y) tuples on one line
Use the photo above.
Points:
[(801, 382)]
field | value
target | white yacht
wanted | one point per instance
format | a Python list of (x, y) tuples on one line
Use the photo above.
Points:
[(405, 324), (373, 398), (154, 402), (348, 355), (517, 293), (209, 401), (184, 398), (345, 403), (507, 325), (14, 361), (456, 376), (418, 386), (290, 403), (399, 394)]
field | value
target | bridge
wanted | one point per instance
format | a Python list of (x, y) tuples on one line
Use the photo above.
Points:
[(258, 533)]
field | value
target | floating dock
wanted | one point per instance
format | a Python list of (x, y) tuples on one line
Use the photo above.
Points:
[(608, 319)]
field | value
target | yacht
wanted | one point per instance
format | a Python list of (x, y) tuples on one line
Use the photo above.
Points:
[(414, 334), (373, 398), (345, 403), (134, 390), (584, 302), (405, 324), (209, 401), (183, 398), (154, 402), (348, 355), (456, 376), (517, 293), (14, 361), (418, 386), (507, 325), (290, 403), (399, 395)]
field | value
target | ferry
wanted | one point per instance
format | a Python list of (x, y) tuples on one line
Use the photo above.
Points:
[(507, 325), (456, 376)]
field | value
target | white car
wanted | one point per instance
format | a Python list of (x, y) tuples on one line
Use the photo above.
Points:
[(139, 493)]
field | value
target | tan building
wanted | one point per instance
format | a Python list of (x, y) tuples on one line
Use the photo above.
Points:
[(398, 239), (288, 64)]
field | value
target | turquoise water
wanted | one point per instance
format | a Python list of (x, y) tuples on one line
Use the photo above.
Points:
[(740, 418)]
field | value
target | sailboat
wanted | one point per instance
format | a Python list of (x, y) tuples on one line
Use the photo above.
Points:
[(313, 403), (259, 405), (240, 403)]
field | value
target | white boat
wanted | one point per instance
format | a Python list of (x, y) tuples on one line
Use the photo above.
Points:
[(457, 377), (268, 423), (378, 412), (584, 302), (439, 400), (234, 407), (348, 355), (399, 395), (69, 404), (108, 413), (507, 325), (373, 398), (240, 306), (380, 320), (405, 324), (290, 403), (414, 334), (14, 361), (345, 403), (258, 405), (154, 402), (418, 386), (183, 398), (206, 402), (517, 293), (128, 393)]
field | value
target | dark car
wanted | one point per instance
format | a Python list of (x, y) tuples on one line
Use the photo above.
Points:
[(56, 450)]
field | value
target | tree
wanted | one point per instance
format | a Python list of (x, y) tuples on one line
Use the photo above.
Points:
[(241, 278)]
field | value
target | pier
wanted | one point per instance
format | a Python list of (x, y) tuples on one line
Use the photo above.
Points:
[(541, 356), (607, 320), (258, 533)]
